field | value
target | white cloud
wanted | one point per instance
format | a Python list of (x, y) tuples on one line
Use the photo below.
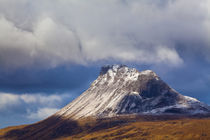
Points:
[(32, 106), (41, 99), (48, 43), (49, 33), (42, 113), (166, 54), (8, 100)]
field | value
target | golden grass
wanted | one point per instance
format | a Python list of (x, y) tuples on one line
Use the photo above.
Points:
[(131, 128), (185, 129)]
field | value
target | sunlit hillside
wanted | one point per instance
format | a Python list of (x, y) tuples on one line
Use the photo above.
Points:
[(120, 128)]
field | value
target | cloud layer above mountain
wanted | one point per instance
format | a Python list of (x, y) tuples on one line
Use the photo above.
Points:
[(50, 33)]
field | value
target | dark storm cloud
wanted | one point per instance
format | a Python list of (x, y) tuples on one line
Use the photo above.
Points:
[(51, 33)]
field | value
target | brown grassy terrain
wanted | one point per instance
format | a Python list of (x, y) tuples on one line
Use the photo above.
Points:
[(187, 129), (120, 128)]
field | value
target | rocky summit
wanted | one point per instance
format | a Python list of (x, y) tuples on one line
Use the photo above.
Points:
[(120, 90)]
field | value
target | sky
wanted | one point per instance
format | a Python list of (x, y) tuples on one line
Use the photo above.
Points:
[(51, 50)]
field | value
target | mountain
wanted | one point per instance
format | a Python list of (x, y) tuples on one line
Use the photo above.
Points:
[(122, 90), (122, 103)]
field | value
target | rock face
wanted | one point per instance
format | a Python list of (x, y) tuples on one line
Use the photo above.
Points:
[(122, 90)]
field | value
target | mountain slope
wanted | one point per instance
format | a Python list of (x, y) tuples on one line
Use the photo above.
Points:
[(122, 90)]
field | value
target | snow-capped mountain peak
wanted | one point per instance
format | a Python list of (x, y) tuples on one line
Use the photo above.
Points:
[(123, 90)]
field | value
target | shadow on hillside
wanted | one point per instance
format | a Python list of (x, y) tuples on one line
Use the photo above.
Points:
[(50, 128)]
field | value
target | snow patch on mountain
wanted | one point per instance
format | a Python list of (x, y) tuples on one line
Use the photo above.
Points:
[(121, 90)]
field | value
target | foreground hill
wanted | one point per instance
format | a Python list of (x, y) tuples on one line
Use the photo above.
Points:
[(117, 128)]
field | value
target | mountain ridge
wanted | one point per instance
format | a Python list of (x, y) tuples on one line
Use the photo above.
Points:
[(122, 90)]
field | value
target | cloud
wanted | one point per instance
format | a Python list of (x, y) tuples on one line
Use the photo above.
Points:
[(16, 109), (8, 100), (41, 99), (48, 43), (42, 113), (51, 33), (31, 106)]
